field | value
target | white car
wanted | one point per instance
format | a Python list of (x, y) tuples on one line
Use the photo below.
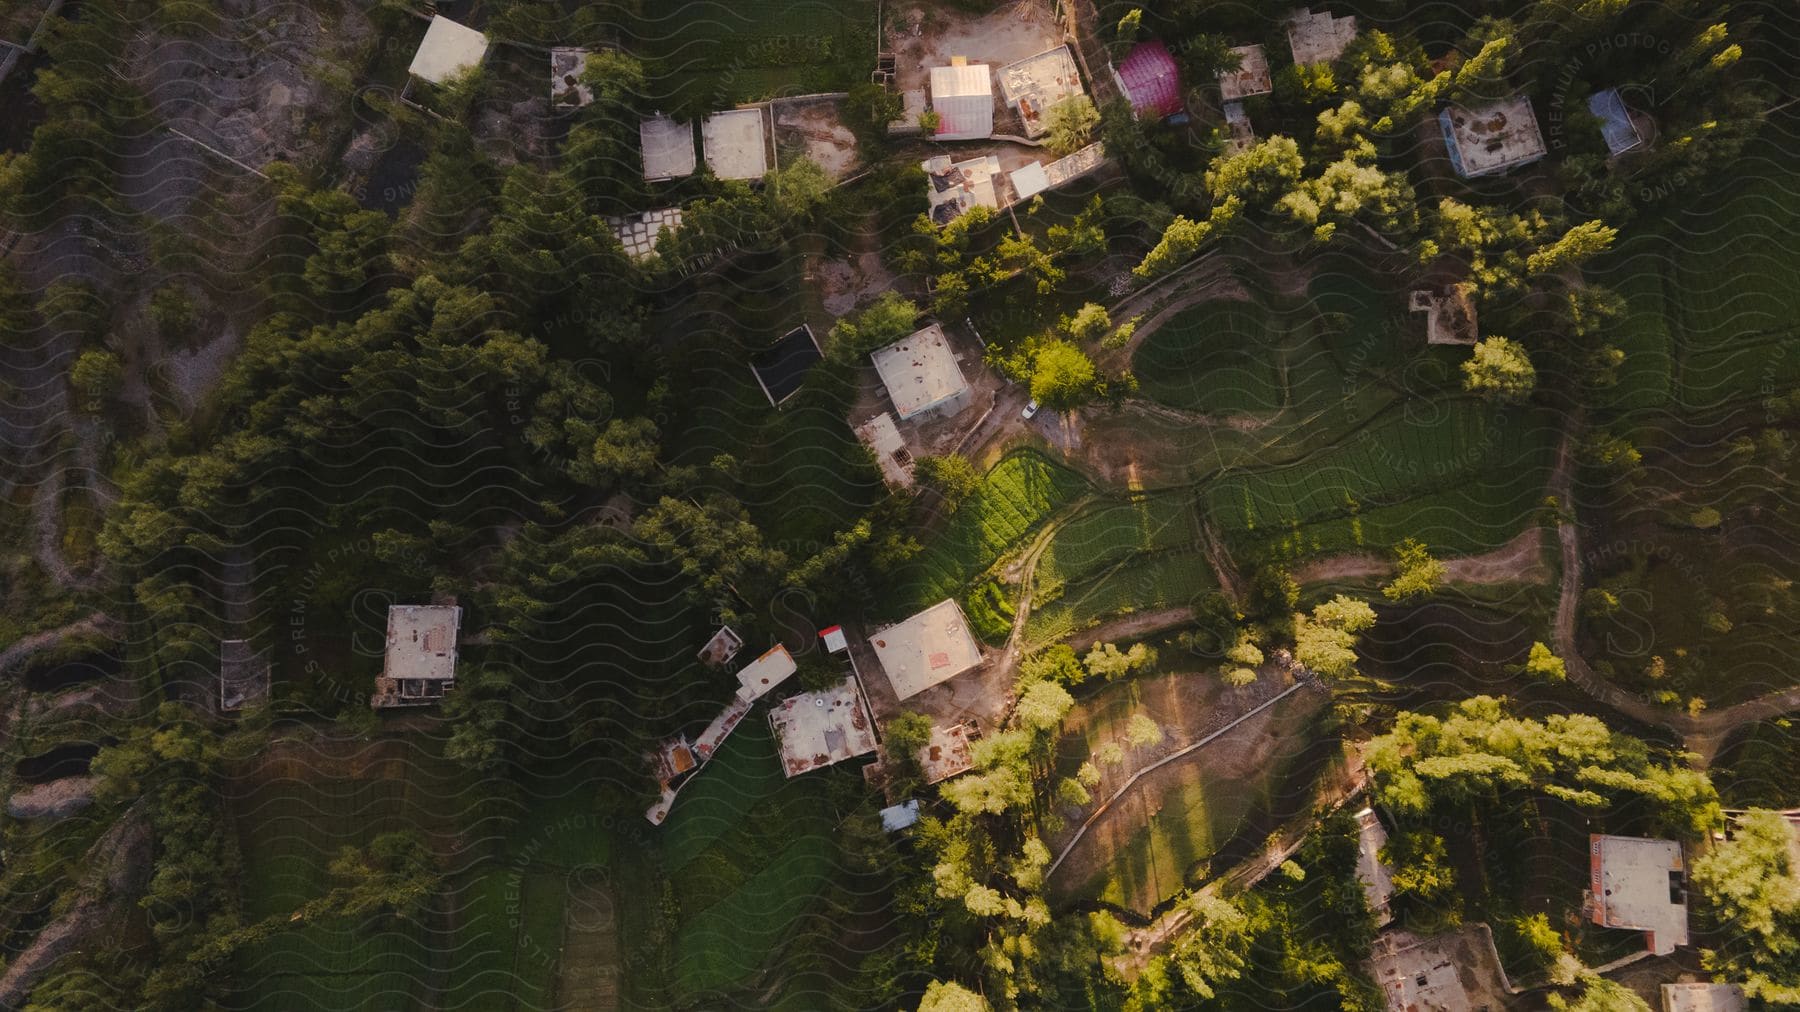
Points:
[(1031, 409)]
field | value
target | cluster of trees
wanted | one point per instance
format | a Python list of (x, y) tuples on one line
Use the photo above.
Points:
[(1752, 885)]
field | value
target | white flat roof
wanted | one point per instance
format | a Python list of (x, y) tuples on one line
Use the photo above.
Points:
[(1035, 84), (766, 672), (421, 641), (1377, 882), (1030, 180), (1319, 37), (447, 49), (930, 647), (734, 144), (959, 82), (897, 817), (1251, 77), (920, 371), (1704, 998), (1640, 884), (820, 728), (963, 98), (668, 148), (1491, 138)]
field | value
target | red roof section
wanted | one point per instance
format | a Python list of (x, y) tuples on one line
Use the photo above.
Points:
[(1151, 80)]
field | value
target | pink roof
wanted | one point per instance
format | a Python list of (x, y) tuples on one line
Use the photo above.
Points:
[(1151, 80)]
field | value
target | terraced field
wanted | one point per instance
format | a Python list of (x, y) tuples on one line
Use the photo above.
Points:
[(1215, 357)]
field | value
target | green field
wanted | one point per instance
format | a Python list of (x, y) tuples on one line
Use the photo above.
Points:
[(1481, 461), (711, 54), (1169, 579), (1016, 495), (1216, 357)]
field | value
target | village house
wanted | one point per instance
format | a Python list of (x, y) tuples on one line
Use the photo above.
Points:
[(1150, 80), (1493, 138), (818, 729), (928, 648), (1640, 885), (1034, 85), (1251, 78), (922, 376), (419, 666), (962, 95), (1319, 37), (447, 50)]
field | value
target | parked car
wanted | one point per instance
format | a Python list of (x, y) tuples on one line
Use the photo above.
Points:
[(1031, 409)]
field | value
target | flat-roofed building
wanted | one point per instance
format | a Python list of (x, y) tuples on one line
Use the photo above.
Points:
[(419, 665), (1319, 37), (948, 751), (882, 437), (931, 647), (1493, 138), (447, 50), (954, 187), (817, 729), (781, 368), (1641, 885), (1704, 998), (1035, 84), (1377, 880), (736, 142), (1250, 78), (668, 147), (921, 375), (767, 671), (721, 648), (962, 95)]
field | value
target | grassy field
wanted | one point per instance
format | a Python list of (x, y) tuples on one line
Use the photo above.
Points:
[(1761, 767), (1216, 357), (1481, 463), (707, 53), (1015, 496), (1167, 579), (748, 851), (1107, 533)]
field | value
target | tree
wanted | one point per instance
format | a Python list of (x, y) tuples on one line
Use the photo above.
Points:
[(952, 475), (1545, 665), (1216, 951), (884, 321), (716, 545), (1576, 246), (1043, 705), (1752, 885), (1062, 376), (1242, 660), (1325, 641), (625, 450), (1421, 870), (951, 997), (96, 378), (1106, 660), (1090, 322), (1070, 123), (796, 189), (1418, 573), (1055, 663), (617, 80), (907, 733), (1142, 732), (1499, 369), (1183, 237), (1600, 995), (869, 108)]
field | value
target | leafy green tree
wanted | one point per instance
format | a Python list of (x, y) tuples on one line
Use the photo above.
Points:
[(1056, 663), (869, 108), (96, 377), (1752, 885), (1600, 995), (1062, 376), (1106, 660), (951, 997), (1216, 950), (951, 475), (1416, 573), (1422, 873), (617, 80), (717, 546), (1576, 246), (1544, 664), (1142, 732), (1500, 369), (884, 321), (1069, 125), (1090, 322), (796, 189), (1325, 641), (1242, 660), (1042, 705)]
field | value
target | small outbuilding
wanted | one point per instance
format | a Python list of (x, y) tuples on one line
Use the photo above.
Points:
[(1491, 139), (781, 368), (904, 815), (721, 648), (948, 751), (922, 376), (962, 95), (1150, 80), (668, 148), (930, 647), (737, 143), (1641, 885), (767, 671), (883, 439), (1704, 998), (1237, 127), (1319, 37), (1449, 313), (1250, 78), (419, 666), (1617, 124), (447, 50), (1377, 879)]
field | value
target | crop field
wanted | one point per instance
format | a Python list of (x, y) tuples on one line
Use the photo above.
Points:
[(748, 851), (708, 53), (1017, 494), (1364, 322), (1108, 532), (1216, 357), (1167, 579), (1410, 452)]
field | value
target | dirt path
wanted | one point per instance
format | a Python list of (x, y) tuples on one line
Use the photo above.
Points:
[(1130, 627), (98, 622), (1703, 735), (1520, 560)]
